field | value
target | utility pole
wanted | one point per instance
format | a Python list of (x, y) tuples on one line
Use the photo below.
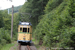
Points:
[(12, 23)]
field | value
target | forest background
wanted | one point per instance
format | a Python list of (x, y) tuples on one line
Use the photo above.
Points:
[(53, 22)]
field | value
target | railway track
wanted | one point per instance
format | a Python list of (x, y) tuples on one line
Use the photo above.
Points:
[(26, 47)]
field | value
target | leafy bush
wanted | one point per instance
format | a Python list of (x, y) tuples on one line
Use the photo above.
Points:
[(4, 36), (56, 28)]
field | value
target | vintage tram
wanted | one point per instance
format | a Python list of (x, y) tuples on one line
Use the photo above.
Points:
[(24, 32)]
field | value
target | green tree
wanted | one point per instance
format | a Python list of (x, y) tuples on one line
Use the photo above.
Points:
[(72, 9), (1, 20), (7, 20), (35, 8)]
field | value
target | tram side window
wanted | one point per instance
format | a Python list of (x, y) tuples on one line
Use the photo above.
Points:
[(24, 29), (28, 29), (20, 29)]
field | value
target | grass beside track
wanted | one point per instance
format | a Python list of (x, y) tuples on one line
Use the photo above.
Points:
[(39, 47), (36, 42), (8, 46)]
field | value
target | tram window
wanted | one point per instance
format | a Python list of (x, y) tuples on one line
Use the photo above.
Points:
[(24, 29), (28, 29), (20, 29)]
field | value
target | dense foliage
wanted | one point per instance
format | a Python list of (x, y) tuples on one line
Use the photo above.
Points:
[(5, 27), (4, 37), (57, 28)]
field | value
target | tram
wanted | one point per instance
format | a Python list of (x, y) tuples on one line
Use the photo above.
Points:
[(24, 32)]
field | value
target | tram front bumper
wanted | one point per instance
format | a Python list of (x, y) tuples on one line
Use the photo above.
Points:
[(26, 41)]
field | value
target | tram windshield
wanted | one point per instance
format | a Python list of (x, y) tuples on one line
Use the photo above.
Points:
[(24, 29)]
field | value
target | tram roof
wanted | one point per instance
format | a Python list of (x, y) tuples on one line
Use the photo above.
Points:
[(25, 23)]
